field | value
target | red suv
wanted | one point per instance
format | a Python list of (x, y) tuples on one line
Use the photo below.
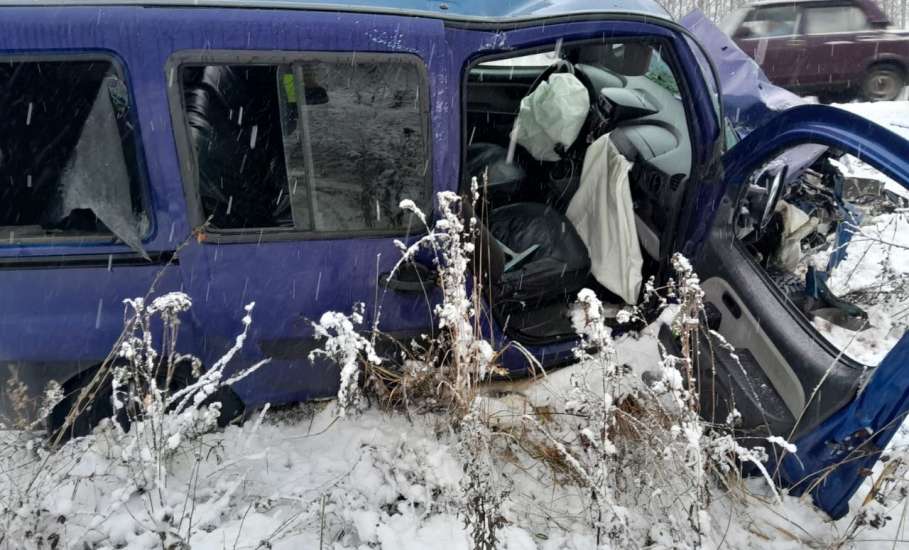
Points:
[(832, 48)]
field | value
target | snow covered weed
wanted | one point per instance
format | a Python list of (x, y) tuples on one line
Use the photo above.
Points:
[(434, 373), (116, 486), (441, 375), (635, 460), (645, 466), (344, 345)]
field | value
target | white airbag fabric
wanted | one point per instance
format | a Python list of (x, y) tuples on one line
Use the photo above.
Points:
[(797, 225), (603, 215), (552, 114)]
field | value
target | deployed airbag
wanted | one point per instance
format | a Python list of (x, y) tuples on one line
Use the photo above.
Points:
[(551, 115), (603, 215), (797, 225)]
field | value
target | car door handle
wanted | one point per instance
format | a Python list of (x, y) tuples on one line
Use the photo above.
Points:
[(410, 278), (796, 43)]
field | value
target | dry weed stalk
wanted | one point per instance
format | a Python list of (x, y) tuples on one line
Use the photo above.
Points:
[(161, 410)]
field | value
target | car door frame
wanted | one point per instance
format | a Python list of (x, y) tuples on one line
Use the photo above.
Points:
[(475, 41), (286, 337), (786, 327), (74, 288)]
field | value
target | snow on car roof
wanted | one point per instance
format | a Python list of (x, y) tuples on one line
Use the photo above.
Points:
[(474, 10)]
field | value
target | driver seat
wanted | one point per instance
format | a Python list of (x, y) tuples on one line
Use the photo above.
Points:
[(530, 255), (500, 181)]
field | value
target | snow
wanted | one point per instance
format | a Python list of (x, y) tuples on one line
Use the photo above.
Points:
[(306, 479), (877, 260), (382, 469), (893, 115), (312, 477)]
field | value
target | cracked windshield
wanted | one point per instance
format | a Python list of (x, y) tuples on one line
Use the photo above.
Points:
[(454, 275)]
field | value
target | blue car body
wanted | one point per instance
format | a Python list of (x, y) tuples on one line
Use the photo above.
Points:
[(61, 303), (43, 278)]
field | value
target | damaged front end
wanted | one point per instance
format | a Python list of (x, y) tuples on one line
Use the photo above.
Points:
[(797, 178)]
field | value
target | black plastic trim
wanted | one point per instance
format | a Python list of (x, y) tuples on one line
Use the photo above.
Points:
[(89, 261)]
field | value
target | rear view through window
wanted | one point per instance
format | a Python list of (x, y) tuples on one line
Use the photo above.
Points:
[(67, 153), (830, 19), (770, 21), (328, 144)]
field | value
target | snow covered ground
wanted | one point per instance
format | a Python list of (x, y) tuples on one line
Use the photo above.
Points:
[(893, 115), (303, 478)]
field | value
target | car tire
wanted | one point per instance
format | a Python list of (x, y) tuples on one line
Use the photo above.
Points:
[(100, 406), (883, 83)]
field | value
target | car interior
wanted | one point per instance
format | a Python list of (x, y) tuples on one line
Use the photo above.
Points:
[(337, 157), (536, 260), (770, 358)]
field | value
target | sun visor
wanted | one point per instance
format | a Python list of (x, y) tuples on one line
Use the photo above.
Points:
[(628, 59), (552, 115)]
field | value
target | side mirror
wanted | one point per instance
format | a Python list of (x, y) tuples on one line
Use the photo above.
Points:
[(629, 59)]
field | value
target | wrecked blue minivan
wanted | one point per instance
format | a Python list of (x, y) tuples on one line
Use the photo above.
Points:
[(259, 150)]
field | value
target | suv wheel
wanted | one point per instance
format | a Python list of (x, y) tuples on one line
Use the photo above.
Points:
[(883, 83), (99, 406)]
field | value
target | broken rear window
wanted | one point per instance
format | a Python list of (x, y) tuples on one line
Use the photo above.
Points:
[(67, 153)]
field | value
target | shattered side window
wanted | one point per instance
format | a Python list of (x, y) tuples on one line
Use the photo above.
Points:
[(68, 153), (331, 143), (835, 242)]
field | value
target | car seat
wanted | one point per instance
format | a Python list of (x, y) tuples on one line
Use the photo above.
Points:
[(531, 252), (235, 130), (500, 181)]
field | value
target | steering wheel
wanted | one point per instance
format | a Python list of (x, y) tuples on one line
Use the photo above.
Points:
[(597, 117), (774, 192)]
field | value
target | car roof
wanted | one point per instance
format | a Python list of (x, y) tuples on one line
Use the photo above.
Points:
[(870, 7), (469, 10)]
